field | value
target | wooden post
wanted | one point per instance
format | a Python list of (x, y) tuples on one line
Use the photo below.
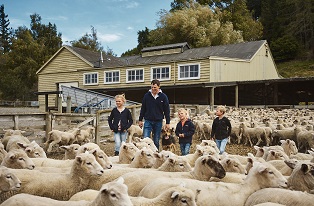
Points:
[(97, 136), (59, 104), (48, 125), (237, 96), (212, 97), (134, 115), (16, 122), (69, 104)]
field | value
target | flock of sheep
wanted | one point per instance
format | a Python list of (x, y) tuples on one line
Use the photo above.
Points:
[(280, 172)]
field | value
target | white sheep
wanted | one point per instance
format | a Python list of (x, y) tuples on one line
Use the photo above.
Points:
[(60, 186), (250, 133), (33, 149), (14, 140), (8, 181), (9, 133), (215, 193), (18, 159), (134, 130), (302, 176), (161, 157), (205, 168), (111, 194), (305, 139), (149, 142), (232, 164), (200, 151), (289, 147), (143, 159), (85, 135), (175, 163), (281, 196), (61, 138), (127, 152), (3, 152), (211, 143), (70, 151)]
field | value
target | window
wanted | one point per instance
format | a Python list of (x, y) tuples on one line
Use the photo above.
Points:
[(160, 73), (112, 77), (90, 78), (135, 75), (191, 71)]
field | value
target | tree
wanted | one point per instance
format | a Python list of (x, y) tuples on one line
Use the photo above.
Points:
[(198, 25), (88, 41), (5, 31)]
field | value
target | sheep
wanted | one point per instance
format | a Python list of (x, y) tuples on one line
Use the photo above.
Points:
[(289, 147), (205, 168), (302, 176), (250, 133), (161, 157), (62, 138), (127, 152), (33, 149), (134, 130), (150, 143), (70, 151), (110, 194), (276, 154), (3, 152), (200, 151), (175, 164), (305, 139), (260, 176), (211, 143), (15, 141), (60, 186), (278, 135), (85, 135), (178, 195), (232, 164), (143, 159), (9, 133), (18, 159), (100, 156), (281, 196), (8, 181)]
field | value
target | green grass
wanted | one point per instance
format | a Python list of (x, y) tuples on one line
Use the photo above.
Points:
[(296, 68)]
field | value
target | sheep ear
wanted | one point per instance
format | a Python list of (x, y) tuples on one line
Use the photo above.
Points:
[(120, 180), (304, 168), (64, 147), (291, 164), (21, 145), (174, 195)]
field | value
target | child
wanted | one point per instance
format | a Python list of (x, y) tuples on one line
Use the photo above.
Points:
[(184, 130), (119, 120), (221, 129)]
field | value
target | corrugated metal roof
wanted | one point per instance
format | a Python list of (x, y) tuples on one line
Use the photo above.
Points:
[(244, 51), (168, 46)]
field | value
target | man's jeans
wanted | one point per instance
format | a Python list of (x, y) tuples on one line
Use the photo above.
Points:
[(155, 128)]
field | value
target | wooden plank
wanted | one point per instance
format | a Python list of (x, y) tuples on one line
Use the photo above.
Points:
[(85, 122)]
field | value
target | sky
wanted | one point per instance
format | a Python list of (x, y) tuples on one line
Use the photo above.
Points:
[(116, 21)]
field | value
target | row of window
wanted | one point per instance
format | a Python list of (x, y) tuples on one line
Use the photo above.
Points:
[(191, 71)]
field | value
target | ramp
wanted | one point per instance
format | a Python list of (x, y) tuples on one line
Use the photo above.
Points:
[(87, 101)]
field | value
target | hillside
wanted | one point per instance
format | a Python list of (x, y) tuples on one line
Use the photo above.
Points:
[(296, 68)]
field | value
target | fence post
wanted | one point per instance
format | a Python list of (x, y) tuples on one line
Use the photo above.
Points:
[(48, 125), (59, 104), (134, 115), (97, 141), (69, 104), (16, 122)]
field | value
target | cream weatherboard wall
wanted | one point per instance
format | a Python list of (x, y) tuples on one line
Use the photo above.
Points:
[(260, 67)]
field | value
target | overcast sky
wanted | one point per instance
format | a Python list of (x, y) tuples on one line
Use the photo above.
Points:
[(116, 21)]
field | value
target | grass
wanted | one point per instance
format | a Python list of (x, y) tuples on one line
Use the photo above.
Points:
[(296, 68)]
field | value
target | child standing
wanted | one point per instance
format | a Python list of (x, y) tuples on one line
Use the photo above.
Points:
[(119, 120), (184, 130), (221, 129)]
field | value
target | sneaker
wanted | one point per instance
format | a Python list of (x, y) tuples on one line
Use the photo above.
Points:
[(116, 153)]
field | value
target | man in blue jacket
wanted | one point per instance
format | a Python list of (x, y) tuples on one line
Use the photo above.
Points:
[(155, 106)]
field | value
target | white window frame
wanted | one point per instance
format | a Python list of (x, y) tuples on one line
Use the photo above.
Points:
[(160, 67), (113, 82), (185, 78), (90, 73), (132, 81)]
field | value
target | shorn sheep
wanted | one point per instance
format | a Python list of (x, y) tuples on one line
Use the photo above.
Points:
[(110, 194), (56, 137), (18, 159), (60, 186), (8, 181), (221, 193), (280, 196)]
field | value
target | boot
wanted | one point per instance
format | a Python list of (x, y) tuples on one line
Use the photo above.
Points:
[(116, 153)]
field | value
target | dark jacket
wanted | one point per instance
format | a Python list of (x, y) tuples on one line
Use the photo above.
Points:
[(115, 116), (221, 128), (188, 130), (155, 109)]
